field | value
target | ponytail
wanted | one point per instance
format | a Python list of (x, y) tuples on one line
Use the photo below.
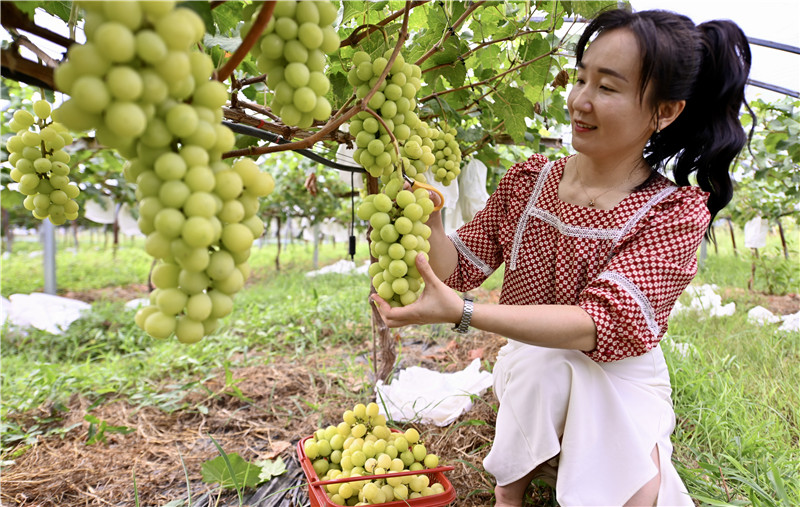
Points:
[(708, 135), (705, 65)]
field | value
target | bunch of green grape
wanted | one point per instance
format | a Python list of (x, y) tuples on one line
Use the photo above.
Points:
[(398, 235), (363, 446), (200, 225), (394, 101), (198, 211), (448, 155), (36, 153), (291, 51)]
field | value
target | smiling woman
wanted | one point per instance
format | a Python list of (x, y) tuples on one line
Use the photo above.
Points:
[(597, 248)]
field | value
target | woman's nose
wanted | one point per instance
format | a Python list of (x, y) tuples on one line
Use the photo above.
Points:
[(581, 99)]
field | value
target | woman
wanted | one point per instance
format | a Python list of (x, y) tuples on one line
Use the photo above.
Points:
[(597, 248)]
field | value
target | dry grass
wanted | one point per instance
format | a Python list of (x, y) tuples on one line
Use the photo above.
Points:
[(285, 402)]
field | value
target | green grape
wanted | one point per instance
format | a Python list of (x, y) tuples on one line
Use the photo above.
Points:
[(90, 94), (292, 52), (236, 237), (159, 325), (126, 119), (42, 109), (124, 83), (197, 232), (188, 330), (115, 41)]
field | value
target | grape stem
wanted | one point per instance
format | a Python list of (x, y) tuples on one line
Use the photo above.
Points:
[(264, 15)]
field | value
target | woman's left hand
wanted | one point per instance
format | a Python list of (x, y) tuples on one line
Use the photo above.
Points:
[(438, 302)]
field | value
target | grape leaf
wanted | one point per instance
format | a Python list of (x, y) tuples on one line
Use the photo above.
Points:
[(216, 471), (353, 9), (513, 107), (455, 72), (27, 7), (270, 468), (227, 16)]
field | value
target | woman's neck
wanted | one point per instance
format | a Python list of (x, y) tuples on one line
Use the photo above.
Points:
[(600, 174)]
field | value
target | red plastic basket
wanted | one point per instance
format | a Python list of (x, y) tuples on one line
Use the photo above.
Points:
[(319, 498)]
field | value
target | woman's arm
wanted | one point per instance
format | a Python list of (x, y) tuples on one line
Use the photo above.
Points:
[(443, 255)]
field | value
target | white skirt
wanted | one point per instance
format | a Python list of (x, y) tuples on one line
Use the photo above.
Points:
[(599, 420)]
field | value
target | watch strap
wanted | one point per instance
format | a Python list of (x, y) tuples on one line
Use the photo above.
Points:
[(466, 316)]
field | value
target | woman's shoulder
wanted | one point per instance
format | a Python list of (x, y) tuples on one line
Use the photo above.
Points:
[(526, 172), (670, 202), (688, 198)]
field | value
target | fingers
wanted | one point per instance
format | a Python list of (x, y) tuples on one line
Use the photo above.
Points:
[(436, 198), (424, 268), (392, 317)]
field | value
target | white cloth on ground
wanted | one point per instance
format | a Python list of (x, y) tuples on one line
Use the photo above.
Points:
[(601, 419), (422, 395)]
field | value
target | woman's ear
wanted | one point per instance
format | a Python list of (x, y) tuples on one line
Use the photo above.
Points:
[(668, 112)]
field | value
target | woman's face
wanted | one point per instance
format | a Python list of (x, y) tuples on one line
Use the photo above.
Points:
[(608, 119)]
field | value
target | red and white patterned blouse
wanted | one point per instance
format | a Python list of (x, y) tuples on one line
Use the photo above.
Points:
[(625, 267)]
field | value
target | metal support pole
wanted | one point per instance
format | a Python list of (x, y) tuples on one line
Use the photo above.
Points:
[(49, 257)]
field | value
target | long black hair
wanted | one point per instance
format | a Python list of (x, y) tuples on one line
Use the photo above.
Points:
[(707, 66)]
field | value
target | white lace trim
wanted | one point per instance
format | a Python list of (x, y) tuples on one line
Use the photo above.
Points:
[(474, 259), (644, 304), (644, 209), (574, 230), (615, 234), (523, 220)]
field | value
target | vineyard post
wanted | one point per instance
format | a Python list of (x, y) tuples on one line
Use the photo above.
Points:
[(49, 243)]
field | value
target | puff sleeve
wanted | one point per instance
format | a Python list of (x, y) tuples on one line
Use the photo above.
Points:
[(480, 242), (631, 298)]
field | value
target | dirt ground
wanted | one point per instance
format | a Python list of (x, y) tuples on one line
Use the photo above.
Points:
[(164, 451)]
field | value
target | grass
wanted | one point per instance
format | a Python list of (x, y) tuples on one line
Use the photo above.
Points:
[(737, 440)]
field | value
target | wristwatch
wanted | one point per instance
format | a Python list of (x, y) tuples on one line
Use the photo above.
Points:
[(466, 316)]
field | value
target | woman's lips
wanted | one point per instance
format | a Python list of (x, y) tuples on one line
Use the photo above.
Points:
[(583, 127)]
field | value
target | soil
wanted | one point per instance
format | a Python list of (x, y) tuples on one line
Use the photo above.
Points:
[(264, 417)]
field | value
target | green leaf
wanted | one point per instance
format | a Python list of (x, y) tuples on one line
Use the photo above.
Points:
[(227, 16), (340, 88), (216, 471), (270, 468), (10, 199), (353, 9), (27, 7), (453, 70), (512, 106)]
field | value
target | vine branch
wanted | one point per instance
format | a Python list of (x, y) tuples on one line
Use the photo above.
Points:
[(264, 15), (438, 46), (489, 80), (357, 35), (12, 17)]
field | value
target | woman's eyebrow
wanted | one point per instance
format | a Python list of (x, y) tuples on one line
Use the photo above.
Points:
[(605, 70)]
